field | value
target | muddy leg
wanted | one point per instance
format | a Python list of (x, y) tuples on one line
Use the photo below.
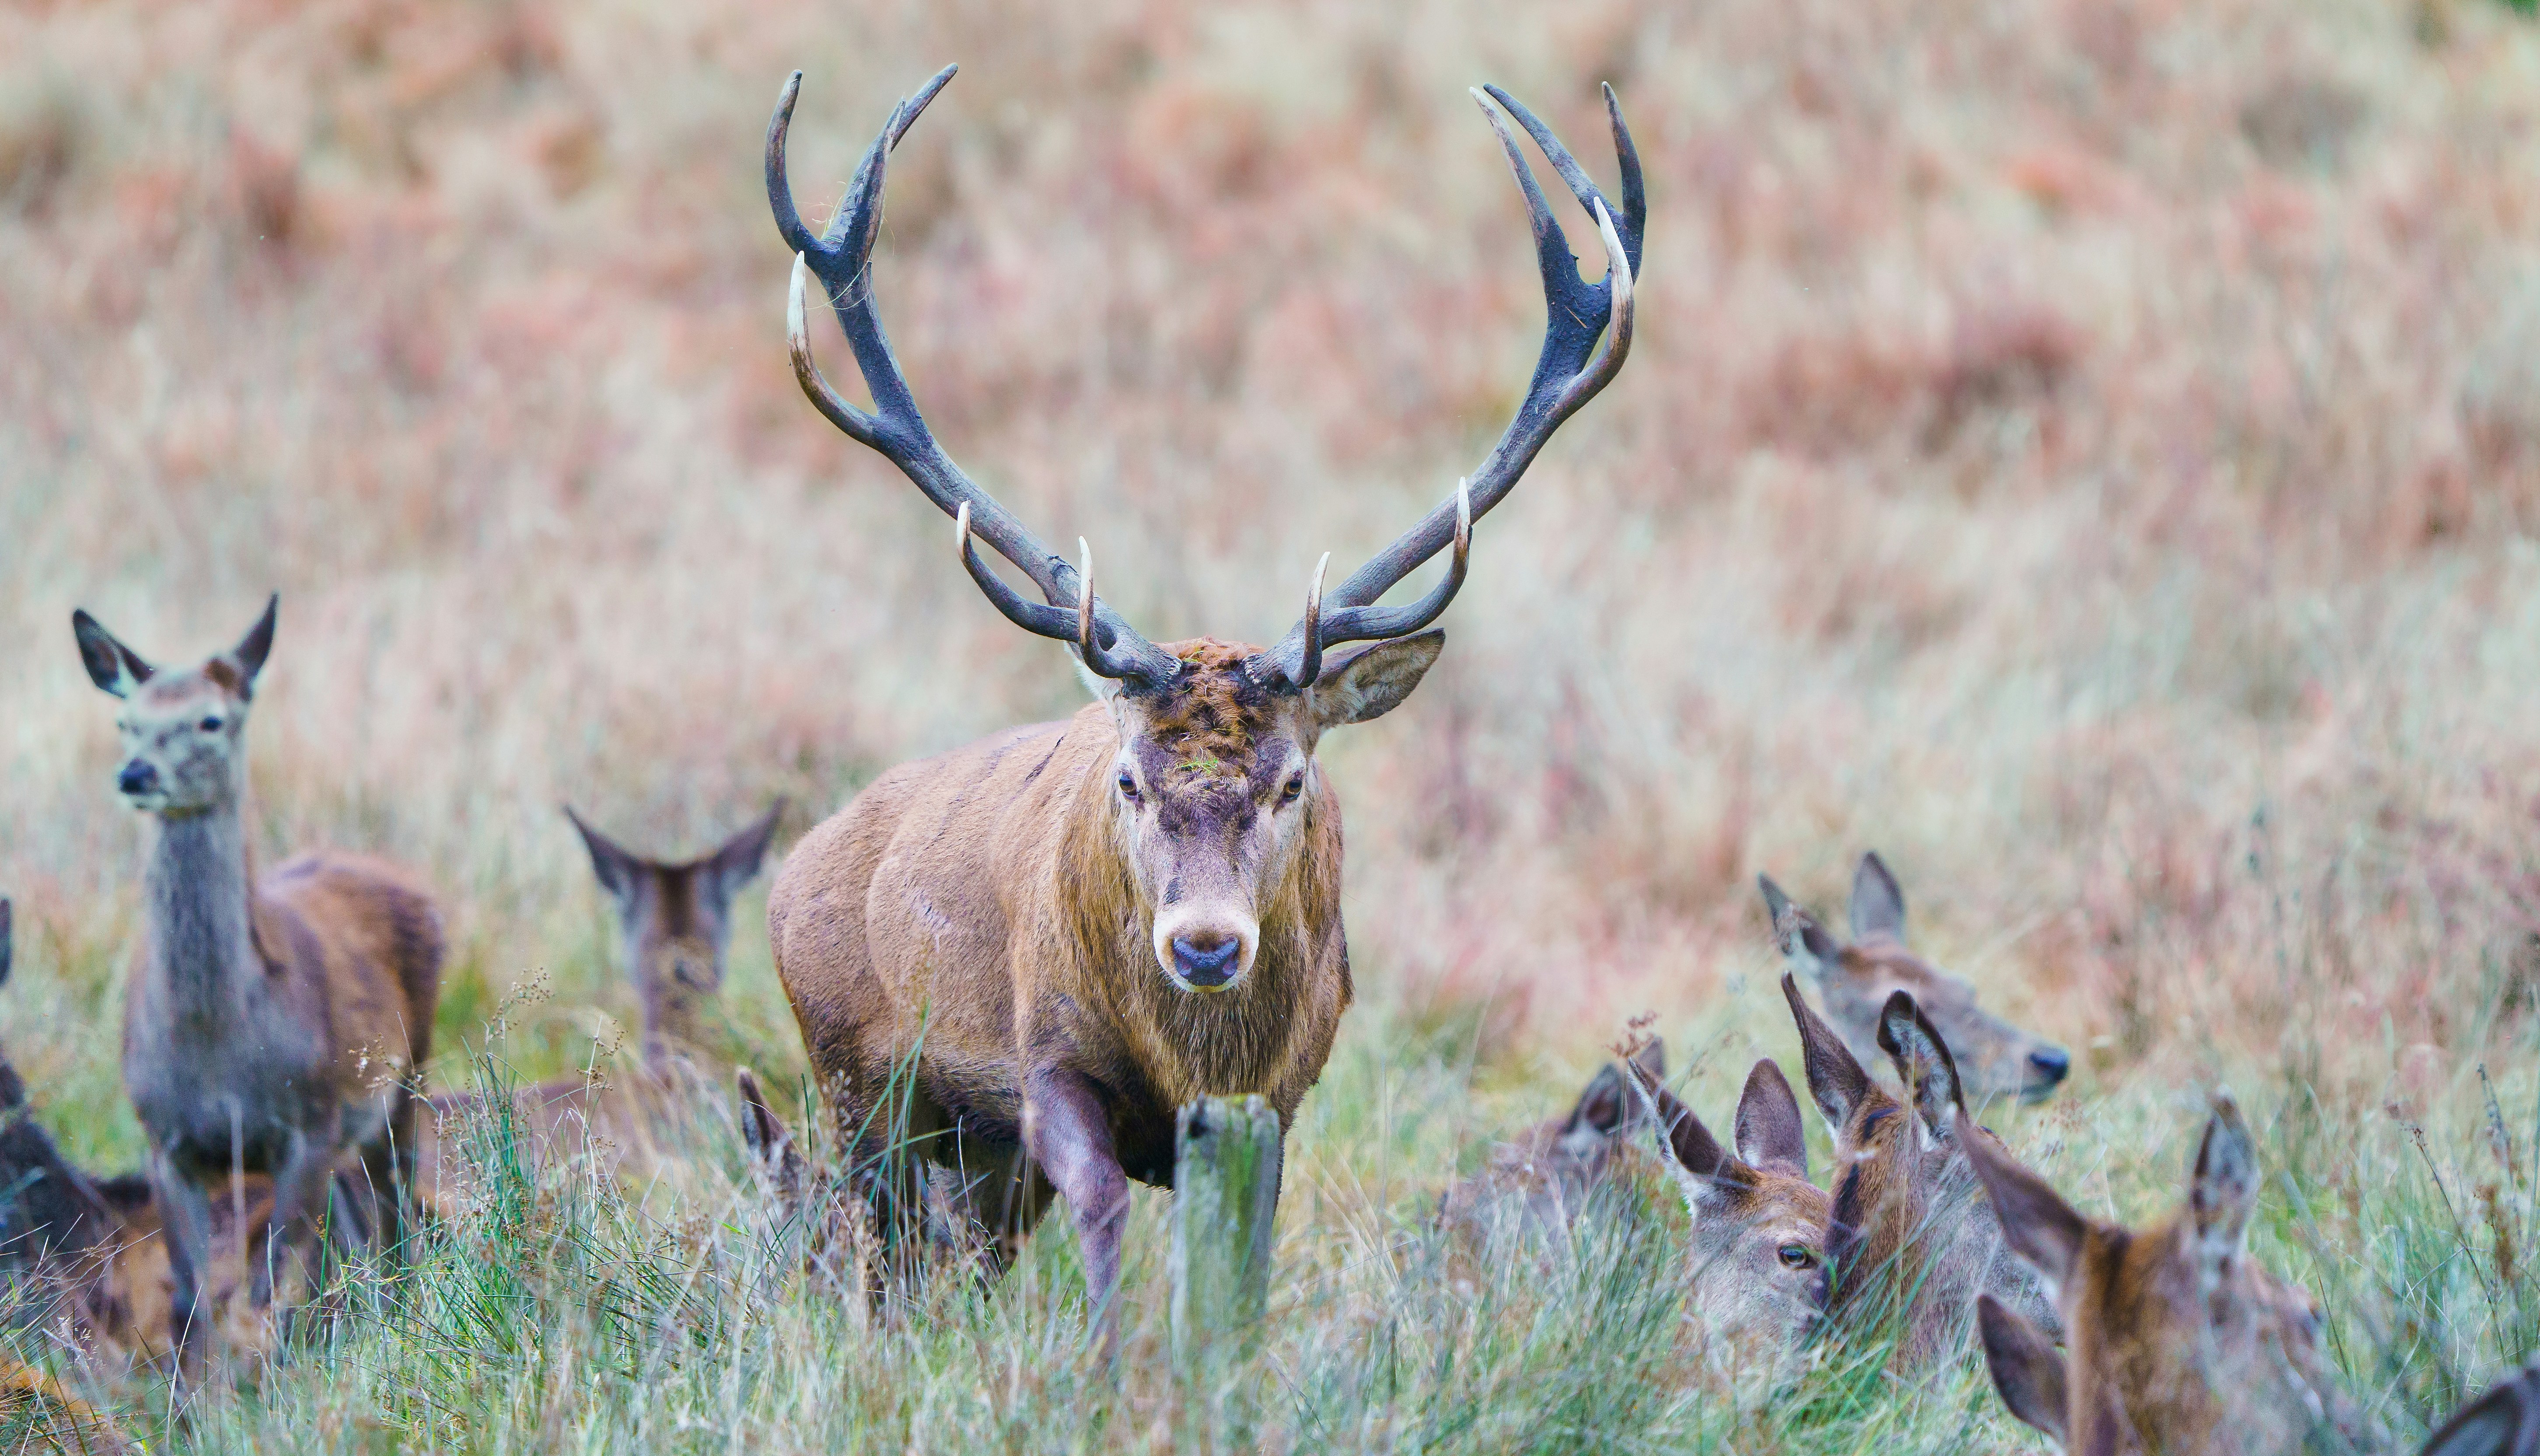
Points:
[(186, 1210), (1068, 1135)]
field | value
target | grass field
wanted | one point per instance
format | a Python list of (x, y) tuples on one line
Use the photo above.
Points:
[(2089, 452)]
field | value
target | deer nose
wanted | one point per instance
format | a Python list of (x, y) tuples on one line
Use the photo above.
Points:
[(1209, 965), (137, 777), (2050, 1062)]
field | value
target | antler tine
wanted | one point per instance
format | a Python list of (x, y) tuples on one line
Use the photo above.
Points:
[(841, 256), (1312, 666), (1587, 334)]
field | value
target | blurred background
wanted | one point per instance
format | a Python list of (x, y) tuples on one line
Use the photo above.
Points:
[(2087, 450)]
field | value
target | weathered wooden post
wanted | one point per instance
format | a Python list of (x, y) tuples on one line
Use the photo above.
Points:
[(1226, 1190)]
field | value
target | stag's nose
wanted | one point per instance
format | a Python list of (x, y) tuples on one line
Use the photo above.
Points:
[(137, 777), (2050, 1064), (1208, 965)]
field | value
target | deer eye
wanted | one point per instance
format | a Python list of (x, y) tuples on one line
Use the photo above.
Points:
[(1797, 1256), (209, 725), (1294, 788), (1128, 787)]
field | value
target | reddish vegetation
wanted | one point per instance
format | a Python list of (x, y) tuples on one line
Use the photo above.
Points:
[(2089, 451)]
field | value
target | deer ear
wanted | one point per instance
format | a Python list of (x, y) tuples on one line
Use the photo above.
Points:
[(2222, 1186), (1770, 1133), (1649, 1064), (616, 869), (771, 1148), (1604, 1105), (1922, 1063), (736, 862), (1372, 680), (1835, 1082), (2504, 1421), (1878, 904), (252, 650), (8, 937), (1796, 932), (2037, 1223), (2025, 1368), (112, 667)]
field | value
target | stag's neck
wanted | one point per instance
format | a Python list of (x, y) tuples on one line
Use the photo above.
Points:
[(202, 927)]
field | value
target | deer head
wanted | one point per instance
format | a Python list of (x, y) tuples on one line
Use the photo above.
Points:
[(1907, 1239), (183, 731), (1997, 1058), (1758, 1263), (674, 921), (1214, 787), (2176, 1339)]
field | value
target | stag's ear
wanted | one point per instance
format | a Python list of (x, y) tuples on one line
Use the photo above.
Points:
[(1878, 904), (251, 650), (736, 862), (1835, 1082), (1770, 1133), (2222, 1186), (1605, 1105), (2504, 1421), (2025, 1367), (112, 667), (1922, 1063), (1371, 681), (617, 868), (2037, 1223)]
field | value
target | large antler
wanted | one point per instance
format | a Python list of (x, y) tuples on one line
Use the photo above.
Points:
[(842, 258), (1567, 374)]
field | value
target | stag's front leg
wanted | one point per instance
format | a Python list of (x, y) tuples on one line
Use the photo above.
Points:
[(1069, 1135)]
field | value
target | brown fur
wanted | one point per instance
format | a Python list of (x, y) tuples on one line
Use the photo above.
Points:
[(988, 922), (1908, 1237), (272, 1024), (1542, 1180), (2177, 1340), (1855, 979), (674, 932)]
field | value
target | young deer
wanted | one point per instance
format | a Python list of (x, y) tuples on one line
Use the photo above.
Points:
[(1020, 958), (272, 1024), (1758, 1266), (1997, 1058), (674, 924), (1907, 1235), (1544, 1178), (2176, 1340)]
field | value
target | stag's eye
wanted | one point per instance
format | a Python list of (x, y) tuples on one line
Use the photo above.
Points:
[(1128, 787), (1293, 789), (209, 725), (1797, 1256)]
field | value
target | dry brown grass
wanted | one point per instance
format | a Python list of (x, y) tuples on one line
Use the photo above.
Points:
[(2089, 451)]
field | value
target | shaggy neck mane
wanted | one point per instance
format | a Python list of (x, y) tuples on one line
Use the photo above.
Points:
[(1235, 1041)]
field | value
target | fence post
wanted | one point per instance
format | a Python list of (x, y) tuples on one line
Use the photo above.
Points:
[(1226, 1190)]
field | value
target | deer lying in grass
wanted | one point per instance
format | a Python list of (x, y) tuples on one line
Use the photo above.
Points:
[(674, 932), (2176, 1339), (1019, 958), (1756, 1264), (84, 1255), (272, 1026), (1907, 1234), (1995, 1057)]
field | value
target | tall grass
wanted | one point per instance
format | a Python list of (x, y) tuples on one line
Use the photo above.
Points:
[(2086, 452)]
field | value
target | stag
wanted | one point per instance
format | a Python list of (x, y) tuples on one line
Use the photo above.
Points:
[(272, 1026), (1018, 958)]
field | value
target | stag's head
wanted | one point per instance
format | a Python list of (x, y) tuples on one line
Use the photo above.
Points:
[(184, 731), (675, 919), (1857, 980), (2176, 1339), (1214, 790)]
